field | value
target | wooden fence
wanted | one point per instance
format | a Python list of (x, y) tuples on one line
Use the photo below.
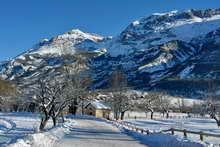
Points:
[(185, 132), (171, 130)]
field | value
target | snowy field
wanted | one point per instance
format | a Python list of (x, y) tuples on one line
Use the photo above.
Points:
[(192, 124)]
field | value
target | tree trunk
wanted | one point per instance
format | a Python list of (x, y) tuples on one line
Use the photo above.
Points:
[(217, 121), (54, 121), (167, 116), (122, 115), (44, 119), (73, 108), (43, 122), (152, 114), (83, 108), (116, 115)]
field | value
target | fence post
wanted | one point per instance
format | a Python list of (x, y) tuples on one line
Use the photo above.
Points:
[(201, 136), (184, 133), (172, 131)]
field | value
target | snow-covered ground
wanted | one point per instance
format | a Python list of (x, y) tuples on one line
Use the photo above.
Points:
[(20, 130), (192, 124), (16, 125)]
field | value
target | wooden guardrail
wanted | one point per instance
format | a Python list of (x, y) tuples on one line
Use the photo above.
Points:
[(172, 130), (185, 132)]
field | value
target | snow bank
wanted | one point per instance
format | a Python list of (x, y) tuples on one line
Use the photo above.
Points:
[(45, 139), (5, 125), (162, 140)]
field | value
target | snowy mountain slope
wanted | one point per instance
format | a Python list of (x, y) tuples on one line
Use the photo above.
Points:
[(164, 45), (161, 28), (66, 43), (47, 55), (176, 44)]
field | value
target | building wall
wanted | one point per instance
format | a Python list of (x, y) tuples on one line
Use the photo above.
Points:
[(99, 113), (103, 113)]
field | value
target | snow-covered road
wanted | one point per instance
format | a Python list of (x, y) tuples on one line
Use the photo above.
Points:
[(93, 133)]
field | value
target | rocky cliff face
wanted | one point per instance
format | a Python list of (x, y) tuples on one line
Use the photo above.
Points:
[(152, 52)]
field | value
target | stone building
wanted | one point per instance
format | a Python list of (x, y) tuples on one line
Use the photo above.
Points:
[(98, 109)]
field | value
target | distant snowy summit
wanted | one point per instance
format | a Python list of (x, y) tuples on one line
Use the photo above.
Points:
[(175, 45), (160, 28), (68, 42)]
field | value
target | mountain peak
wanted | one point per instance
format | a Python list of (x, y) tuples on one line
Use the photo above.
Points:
[(75, 31), (77, 34), (67, 42), (175, 25)]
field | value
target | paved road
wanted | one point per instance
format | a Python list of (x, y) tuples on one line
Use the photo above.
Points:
[(93, 133)]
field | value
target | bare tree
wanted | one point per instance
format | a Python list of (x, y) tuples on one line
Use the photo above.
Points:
[(127, 103), (78, 77), (181, 104), (148, 102), (78, 86), (121, 103), (52, 98), (212, 102), (163, 103), (119, 100), (213, 108)]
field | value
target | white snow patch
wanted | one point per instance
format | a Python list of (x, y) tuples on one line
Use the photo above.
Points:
[(135, 23), (156, 65), (184, 73), (167, 13), (21, 57)]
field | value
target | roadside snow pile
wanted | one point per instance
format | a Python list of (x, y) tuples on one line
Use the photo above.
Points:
[(16, 125), (45, 139), (5, 125), (162, 140)]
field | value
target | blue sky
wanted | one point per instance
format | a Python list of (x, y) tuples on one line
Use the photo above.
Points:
[(25, 22)]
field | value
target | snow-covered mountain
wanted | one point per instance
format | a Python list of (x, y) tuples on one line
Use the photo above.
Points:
[(68, 42), (160, 50)]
